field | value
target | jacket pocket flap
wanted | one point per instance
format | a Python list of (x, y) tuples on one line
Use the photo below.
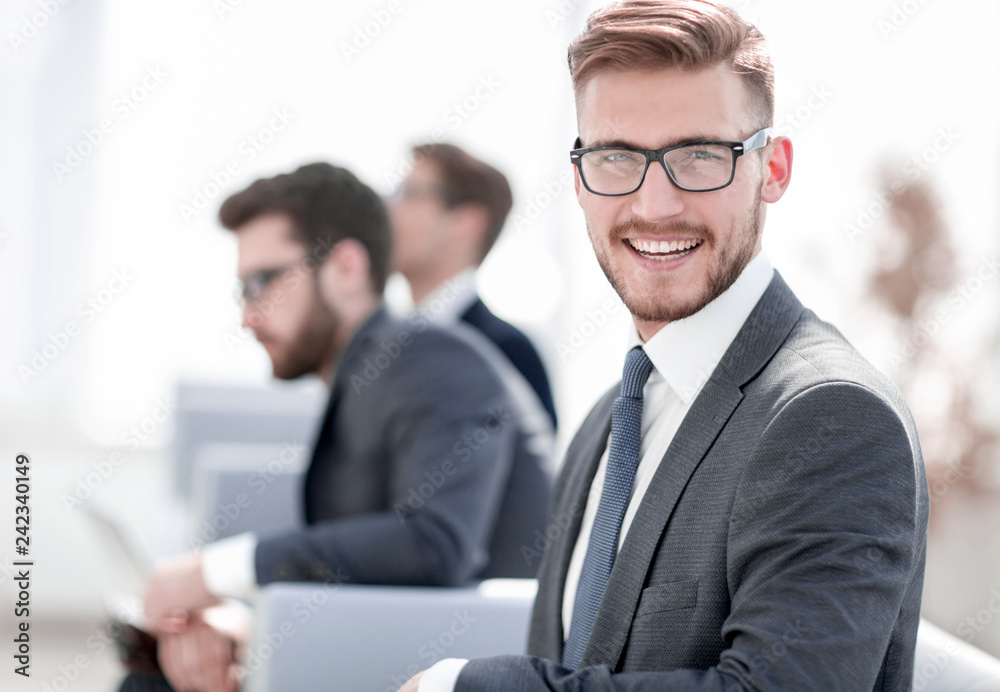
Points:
[(671, 596)]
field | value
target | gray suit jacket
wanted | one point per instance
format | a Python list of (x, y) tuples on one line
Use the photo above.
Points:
[(780, 545), (420, 474)]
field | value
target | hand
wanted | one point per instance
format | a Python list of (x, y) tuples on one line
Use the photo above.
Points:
[(413, 684), (199, 658), (174, 590)]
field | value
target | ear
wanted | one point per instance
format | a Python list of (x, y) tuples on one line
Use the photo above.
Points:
[(345, 268), (778, 173), (576, 183), (470, 222)]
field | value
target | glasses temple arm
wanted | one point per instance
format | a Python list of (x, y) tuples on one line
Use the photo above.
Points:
[(757, 140)]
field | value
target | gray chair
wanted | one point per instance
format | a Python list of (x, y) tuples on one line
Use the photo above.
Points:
[(213, 413), (247, 487), (328, 637), (372, 638), (945, 663), (332, 638)]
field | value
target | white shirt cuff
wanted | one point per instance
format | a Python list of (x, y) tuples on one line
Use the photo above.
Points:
[(442, 676), (228, 566)]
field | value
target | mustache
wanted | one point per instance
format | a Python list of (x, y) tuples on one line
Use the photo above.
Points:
[(635, 226)]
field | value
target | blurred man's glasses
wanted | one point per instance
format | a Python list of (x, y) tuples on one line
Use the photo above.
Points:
[(693, 166), (253, 289)]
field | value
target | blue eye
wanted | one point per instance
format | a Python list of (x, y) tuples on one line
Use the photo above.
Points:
[(702, 155), (620, 157)]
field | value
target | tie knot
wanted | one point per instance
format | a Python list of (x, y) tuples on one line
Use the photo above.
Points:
[(636, 372)]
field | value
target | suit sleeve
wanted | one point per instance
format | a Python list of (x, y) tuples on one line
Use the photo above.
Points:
[(826, 533), (448, 431)]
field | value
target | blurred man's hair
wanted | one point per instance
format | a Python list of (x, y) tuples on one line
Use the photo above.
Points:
[(684, 34), (467, 180), (327, 204)]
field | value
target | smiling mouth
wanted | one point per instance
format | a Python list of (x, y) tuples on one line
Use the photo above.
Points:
[(663, 250)]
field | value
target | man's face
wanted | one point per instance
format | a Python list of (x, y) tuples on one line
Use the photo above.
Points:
[(289, 320), (419, 221), (716, 233)]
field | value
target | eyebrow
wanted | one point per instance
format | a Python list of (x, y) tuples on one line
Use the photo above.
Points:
[(612, 142)]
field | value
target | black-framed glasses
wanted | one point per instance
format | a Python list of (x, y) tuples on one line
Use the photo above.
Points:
[(253, 288), (613, 171)]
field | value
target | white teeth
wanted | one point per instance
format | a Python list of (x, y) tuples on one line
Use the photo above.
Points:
[(662, 247)]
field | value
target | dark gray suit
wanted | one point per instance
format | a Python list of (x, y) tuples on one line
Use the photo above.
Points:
[(780, 545), (427, 470), (422, 473)]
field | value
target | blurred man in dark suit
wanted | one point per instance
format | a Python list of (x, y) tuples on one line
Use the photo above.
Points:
[(422, 472), (445, 217)]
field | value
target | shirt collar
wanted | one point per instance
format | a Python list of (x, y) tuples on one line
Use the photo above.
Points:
[(686, 352), (446, 303)]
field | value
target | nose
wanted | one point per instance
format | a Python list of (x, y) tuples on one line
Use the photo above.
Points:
[(251, 317), (657, 199)]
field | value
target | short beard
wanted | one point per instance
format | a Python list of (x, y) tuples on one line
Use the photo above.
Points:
[(732, 260), (307, 352)]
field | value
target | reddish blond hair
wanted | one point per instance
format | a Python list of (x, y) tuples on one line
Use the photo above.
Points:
[(684, 34)]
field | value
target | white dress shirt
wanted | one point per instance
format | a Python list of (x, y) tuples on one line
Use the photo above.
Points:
[(684, 355)]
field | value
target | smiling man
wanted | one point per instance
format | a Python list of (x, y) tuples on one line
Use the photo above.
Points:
[(754, 503)]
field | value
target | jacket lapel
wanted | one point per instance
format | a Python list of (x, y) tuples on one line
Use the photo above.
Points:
[(582, 460), (756, 343), (356, 348)]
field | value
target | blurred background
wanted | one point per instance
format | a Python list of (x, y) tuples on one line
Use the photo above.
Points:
[(124, 125)]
